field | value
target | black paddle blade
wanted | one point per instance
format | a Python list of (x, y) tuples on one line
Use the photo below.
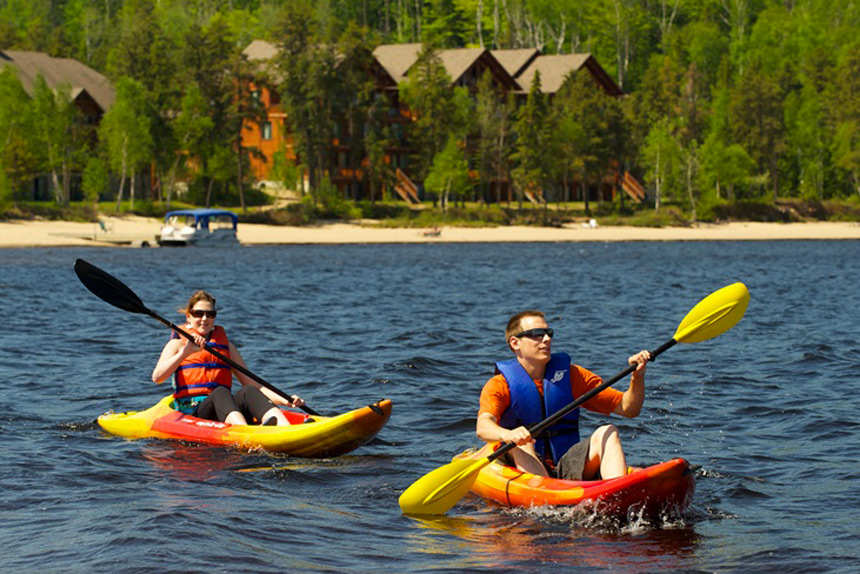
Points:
[(108, 288)]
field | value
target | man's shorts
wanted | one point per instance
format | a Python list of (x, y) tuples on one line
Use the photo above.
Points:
[(572, 463)]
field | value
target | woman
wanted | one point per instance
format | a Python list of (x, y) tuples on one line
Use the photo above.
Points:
[(202, 381)]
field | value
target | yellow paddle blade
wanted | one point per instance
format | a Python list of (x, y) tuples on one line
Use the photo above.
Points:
[(439, 490), (714, 315)]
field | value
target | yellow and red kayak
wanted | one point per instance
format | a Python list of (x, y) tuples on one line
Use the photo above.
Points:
[(308, 436), (664, 488)]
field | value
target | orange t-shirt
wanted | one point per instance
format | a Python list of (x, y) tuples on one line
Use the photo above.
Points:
[(496, 396)]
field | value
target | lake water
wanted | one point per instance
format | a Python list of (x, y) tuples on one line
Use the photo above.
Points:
[(769, 410)]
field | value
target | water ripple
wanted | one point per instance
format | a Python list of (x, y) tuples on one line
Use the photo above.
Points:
[(767, 409)]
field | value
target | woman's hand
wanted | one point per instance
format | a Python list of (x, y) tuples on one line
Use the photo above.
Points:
[(196, 343), (297, 401)]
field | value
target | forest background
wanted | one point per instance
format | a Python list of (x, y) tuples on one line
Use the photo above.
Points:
[(728, 102)]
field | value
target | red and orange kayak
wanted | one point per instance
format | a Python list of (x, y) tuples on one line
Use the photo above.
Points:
[(307, 436), (664, 488)]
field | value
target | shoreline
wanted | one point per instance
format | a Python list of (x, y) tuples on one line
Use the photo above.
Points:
[(134, 231)]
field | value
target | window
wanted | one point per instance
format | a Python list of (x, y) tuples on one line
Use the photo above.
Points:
[(266, 130)]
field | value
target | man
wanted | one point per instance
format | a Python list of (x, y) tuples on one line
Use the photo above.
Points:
[(536, 384)]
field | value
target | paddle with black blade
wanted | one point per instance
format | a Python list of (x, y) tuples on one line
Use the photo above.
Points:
[(111, 290), (439, 490)]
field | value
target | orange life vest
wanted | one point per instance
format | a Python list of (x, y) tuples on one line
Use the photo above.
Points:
[(201, 372)]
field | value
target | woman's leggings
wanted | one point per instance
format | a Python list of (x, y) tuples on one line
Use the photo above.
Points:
[(249, 401)]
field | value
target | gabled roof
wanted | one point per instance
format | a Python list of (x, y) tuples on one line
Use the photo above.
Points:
[(458, 61), (264, 53), (396, 59), (556, 68), (260, 50), (553, 71), (57, 71), (515, 61)]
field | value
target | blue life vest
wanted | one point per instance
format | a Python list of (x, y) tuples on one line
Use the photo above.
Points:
[(528, 408)]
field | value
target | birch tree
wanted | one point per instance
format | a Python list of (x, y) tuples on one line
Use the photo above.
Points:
[(125, 129), (53, 114)]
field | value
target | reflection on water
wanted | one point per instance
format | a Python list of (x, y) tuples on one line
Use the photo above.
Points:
[(502, 539), (189, 462)]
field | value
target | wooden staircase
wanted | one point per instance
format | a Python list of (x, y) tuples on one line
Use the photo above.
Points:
[(632, 187), (406, 188), (534, 197)]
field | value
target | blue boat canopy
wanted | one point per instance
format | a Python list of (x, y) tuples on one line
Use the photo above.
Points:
[(200, 218)]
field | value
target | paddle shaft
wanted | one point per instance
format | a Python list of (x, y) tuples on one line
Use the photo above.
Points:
[(113, 291), (557, 416)]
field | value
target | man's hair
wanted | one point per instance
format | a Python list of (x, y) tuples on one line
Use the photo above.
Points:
[(515, 323)]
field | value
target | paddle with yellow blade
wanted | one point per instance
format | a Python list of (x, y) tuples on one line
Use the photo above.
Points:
[(439, 490)]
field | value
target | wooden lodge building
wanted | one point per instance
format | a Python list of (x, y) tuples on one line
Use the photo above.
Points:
[(92, 95), (512, 71)]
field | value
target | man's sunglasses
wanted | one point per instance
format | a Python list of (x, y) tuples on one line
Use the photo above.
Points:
[(535, 333), (198, 313)]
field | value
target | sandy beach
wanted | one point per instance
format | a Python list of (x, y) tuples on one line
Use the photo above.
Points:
[(132, 231)]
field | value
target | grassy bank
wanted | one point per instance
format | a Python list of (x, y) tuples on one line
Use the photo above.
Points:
[(398, 214)]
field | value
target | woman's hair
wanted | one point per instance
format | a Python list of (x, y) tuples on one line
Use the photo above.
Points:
[(198, 296), (515, 322)]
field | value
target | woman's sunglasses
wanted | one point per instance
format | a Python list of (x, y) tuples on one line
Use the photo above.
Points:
[(198, 313), (535, 333)]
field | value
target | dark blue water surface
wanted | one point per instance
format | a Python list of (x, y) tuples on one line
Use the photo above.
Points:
[(769, 410)]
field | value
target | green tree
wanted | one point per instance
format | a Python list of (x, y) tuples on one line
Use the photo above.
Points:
[(54, 120), (445, 24), (756, 118), (357, 108), (706, 47), (432, 103), (144, 51), (663, 158), (377, 139), (222, 76), (191, 129), (307, 86), (846, 149), (570, 142), (533, 138), (621, 33), (449, 175), (243, 108), (724, 167), (806, 134), (844, 95), (587, 132), (18, 156), (493, 119), (96, 178), (89, 30), (379, 174), (125, 130)]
